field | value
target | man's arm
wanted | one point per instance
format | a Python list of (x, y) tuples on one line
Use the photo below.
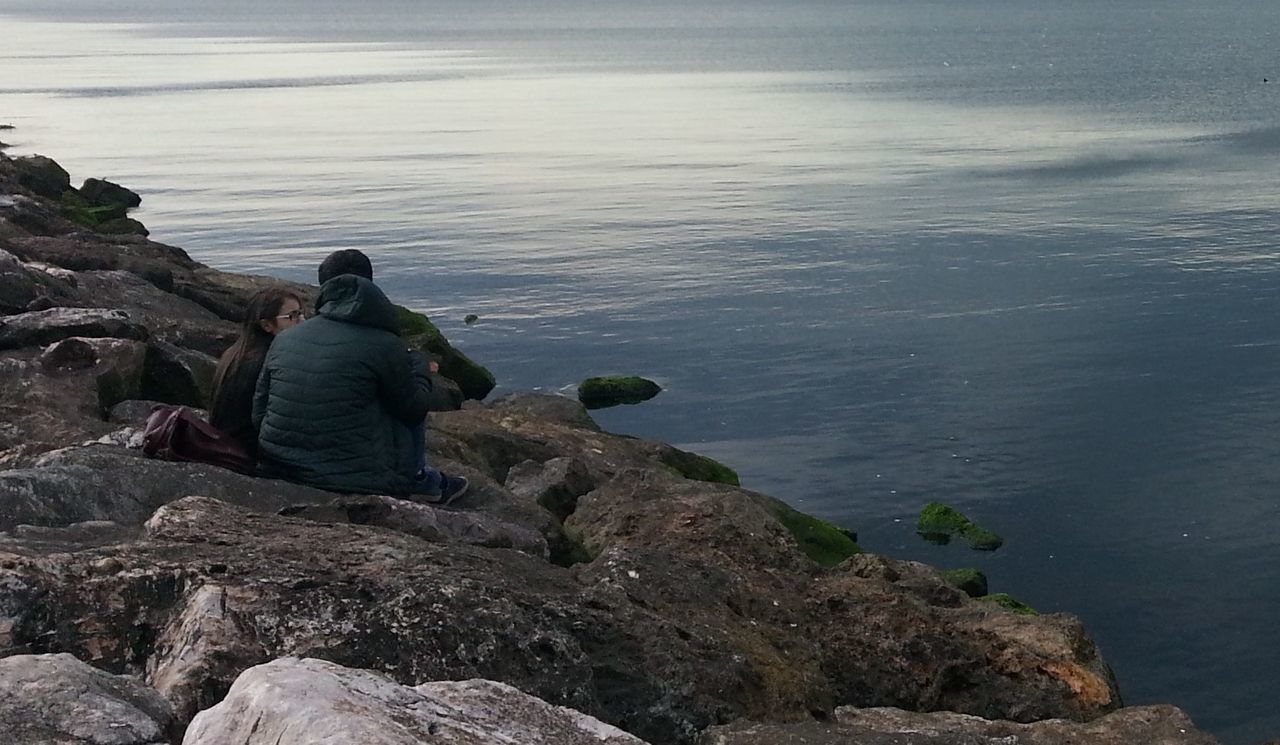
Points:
[(404, 383)]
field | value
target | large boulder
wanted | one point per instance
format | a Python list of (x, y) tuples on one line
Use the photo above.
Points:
[(42, 176), (177, 375), (59, 700), (100, 482), (58, 396), (103, 192), (1138, 725), (313, 702), (21, 286)]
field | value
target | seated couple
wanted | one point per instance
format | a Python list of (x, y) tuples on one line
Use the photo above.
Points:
[(338, 401)]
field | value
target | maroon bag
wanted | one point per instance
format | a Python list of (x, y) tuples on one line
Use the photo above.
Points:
[(178, 433)]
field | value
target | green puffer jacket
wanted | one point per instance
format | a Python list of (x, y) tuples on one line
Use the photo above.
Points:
[(338, 393)]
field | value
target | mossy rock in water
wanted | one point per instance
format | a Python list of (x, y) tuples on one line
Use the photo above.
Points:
[(421, 334), (825, 542), (78, 210), (1011, 603), (699, 467), (938, 522), (601, 392), (969, 580)]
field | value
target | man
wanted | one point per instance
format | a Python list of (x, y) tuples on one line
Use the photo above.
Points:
[(340, 397)]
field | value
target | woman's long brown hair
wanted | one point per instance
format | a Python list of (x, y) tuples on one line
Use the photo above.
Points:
[(254, 340)]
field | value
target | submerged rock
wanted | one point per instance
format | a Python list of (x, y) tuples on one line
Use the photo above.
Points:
[(938, 522), (309, 702), (601, 392), (55, 698)]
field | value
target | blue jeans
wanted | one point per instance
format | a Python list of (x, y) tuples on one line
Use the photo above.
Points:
[(431, 480)]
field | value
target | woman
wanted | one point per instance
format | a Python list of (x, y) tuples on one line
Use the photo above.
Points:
[(270, 312)]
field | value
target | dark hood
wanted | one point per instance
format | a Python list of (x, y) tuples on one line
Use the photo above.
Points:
[(353, 299)]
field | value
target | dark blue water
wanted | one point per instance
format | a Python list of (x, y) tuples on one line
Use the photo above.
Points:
[(1018, 256)]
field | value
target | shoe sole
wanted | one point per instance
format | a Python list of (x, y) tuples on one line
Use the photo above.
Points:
[(446, 501)]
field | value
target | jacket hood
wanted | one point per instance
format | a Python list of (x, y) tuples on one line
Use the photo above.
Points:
[(352, 299)]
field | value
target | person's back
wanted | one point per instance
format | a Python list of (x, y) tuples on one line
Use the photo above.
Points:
[(338, 393)]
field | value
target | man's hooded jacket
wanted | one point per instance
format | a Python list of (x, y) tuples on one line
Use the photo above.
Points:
[(338, 394)]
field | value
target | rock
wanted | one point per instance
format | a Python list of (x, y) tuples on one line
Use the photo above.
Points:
[(109, 483), (470, 318), (1137, 725), (178, 376), (168, 317), (53, 406), (102, 192), (1004, 600), (548, 407), (699, 467), (474, 380), (43, 176), (55, 698), (971, 582), (555, 484), (47, 326), (68, 354), (598, 393), (429, 523), (21, 287), (938, 522), (132, 411), (122, 226), (309, 702), (696, 607)]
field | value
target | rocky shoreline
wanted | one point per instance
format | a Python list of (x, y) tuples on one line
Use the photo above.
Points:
[(593, 588)]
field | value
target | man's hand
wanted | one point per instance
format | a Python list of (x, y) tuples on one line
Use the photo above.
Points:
[(433, 366)]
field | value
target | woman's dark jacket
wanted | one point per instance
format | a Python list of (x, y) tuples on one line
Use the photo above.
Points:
[(337, 394), (232, 408)]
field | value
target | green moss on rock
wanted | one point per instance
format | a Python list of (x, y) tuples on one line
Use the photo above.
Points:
[(600, 392), (969, 580), (938, 522), (1011, 603), (699, 467), (421, 334), (825, 542)]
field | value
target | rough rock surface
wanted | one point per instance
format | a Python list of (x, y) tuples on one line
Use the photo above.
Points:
[(694, 606), (37, 328), (59, 700), (1138, 725), (312, 702)]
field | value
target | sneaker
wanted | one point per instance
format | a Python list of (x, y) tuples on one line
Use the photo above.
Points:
[(452, 488)]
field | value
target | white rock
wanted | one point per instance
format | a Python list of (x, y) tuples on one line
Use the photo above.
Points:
[(304, 701)]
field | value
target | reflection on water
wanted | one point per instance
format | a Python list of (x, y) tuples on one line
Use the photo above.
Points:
[(1014, 257)]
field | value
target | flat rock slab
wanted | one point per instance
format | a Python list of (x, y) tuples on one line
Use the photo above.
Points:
[(110, 483), (1137, 725), (38, 328), (55, 699), (313, 702)]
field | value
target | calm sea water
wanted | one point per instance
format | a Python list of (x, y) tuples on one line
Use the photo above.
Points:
[(1016, 255)]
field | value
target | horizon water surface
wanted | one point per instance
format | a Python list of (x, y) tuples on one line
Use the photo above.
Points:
[(1015, 255)]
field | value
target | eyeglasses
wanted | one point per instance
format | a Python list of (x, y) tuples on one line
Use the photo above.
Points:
[(294, 316)]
